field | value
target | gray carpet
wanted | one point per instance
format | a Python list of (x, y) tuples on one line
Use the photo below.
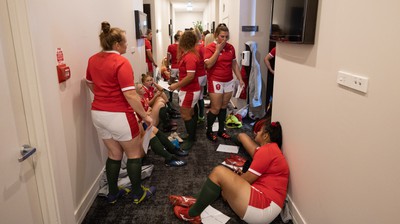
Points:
[(185, 180)]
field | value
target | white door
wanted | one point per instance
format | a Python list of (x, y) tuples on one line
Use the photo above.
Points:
[(19, 198)]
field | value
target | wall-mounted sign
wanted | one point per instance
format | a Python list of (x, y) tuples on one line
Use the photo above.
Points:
[(249, 28)]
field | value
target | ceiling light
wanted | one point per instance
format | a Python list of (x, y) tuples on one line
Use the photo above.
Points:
[(189, 6)]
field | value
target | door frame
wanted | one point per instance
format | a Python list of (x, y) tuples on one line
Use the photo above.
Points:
[(34, 111)]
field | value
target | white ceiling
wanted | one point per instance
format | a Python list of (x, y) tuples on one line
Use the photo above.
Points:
[(180, 5)]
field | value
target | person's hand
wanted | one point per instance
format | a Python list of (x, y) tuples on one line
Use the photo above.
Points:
[(148, 120), (238, 171), (220, 46), (157, 94), (155, 65), (241, 83), (173, 86)]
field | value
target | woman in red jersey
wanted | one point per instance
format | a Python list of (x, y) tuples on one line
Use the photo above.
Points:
[(201, 74), (256, 196), (220, 60), (149, 52), (188, 84), (110, 78)]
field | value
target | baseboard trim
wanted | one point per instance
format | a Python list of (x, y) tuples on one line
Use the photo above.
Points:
[(297, 218), (88, 200)]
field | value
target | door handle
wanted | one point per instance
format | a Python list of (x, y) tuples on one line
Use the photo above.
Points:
[(26, 152)]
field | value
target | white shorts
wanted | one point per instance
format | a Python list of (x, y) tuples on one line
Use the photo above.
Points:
[(203, 80), (262, 216), (188, 99), (119, 126), (221, 87)]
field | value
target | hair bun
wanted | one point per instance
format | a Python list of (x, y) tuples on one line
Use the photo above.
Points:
[(105, 27)]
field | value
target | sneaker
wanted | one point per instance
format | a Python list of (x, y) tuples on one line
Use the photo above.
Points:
[(201, 120), (147, 193), (211, 136), (175, 163), (183, 214), (184, 201), (224, 135), (180, 152), (114, 198)]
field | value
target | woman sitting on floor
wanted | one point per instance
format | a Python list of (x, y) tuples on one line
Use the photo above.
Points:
[(159, 103), (159, 140), (256, 196)]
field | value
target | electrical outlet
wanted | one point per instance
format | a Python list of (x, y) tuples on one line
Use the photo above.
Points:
[(356, 82)]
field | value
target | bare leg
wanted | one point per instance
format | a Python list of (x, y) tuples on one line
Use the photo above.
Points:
[(235, 189)]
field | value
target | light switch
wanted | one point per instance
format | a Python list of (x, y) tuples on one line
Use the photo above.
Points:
[(359, 83)]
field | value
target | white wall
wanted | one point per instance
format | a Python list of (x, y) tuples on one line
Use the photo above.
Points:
[(186, 19), (74, 26), (343, 146)]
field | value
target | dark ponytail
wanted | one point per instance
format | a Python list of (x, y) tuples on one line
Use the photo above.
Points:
[(275, 132)]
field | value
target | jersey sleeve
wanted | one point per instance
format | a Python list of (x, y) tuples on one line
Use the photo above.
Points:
[(208, 52), (125, 76), (261, 162), (191, 63)]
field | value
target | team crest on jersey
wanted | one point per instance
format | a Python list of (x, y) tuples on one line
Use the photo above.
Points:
[(218, 86)]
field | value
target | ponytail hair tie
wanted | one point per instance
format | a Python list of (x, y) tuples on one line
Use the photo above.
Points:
[(273, 124)]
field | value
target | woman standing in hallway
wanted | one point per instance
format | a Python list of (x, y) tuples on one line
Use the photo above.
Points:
[(110, 78), (188, 84), (220, 60), (201, 74), (149, 53)]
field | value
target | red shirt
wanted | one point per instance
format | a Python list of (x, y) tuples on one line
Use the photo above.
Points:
[(149, 94), (111, 74), (272, 170), (222, 69), (201, 70), (188, 63), (272, 53), (147, 47), (173, 51)]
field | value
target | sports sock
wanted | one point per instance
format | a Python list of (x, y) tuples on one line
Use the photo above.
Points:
[(191, 129), (165, 141), (208, 194), (210, 121), (112, 173), (221, 120), (164, 117), (201, 107), (158, 148), (134, 168)]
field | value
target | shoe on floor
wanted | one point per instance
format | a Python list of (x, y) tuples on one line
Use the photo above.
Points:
[(175, 163), (184, 201), (180, 152), (114, 198), (211, 136), (224, 135), (183, 214), (147, 193), (201, 120)]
